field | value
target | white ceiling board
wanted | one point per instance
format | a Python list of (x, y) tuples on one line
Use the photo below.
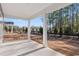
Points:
[(29, 10), (22, 10)]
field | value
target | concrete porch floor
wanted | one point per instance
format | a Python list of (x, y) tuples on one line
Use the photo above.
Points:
[(26, 48)]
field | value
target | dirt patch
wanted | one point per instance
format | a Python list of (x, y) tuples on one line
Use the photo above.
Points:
[(37, 38), (67, 47), (14, 37)]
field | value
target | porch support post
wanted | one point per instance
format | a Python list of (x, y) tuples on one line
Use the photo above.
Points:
[(1, 31), (29, 30), (1, 25), (45, 31), (11, 28)]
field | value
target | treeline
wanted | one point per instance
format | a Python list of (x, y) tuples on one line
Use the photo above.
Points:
[(64, 21)]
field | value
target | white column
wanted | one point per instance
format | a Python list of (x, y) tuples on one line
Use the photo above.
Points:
[(45, 31), (1, 25), (1, 30), (11, 28), (29, 30)]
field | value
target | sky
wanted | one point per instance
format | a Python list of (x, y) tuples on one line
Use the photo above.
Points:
[(20, 22), (37, 21)]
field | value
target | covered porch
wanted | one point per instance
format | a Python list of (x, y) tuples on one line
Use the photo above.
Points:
[(27, 12)]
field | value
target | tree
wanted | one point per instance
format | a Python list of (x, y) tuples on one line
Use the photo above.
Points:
[(23, 29), (51, 20), (14, 28), (55, 31), (9, 28), (26, 30), (61, 32), (68, 31), (6, 28), (41, 30)]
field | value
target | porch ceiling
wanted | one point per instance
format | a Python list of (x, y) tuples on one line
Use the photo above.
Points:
[(29, 10)]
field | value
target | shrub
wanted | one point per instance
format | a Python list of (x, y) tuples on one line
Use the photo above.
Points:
[(41, 30), (55, 31), (68, 31), (10, 28), (26, 30), (61, 31), (6, 28)]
